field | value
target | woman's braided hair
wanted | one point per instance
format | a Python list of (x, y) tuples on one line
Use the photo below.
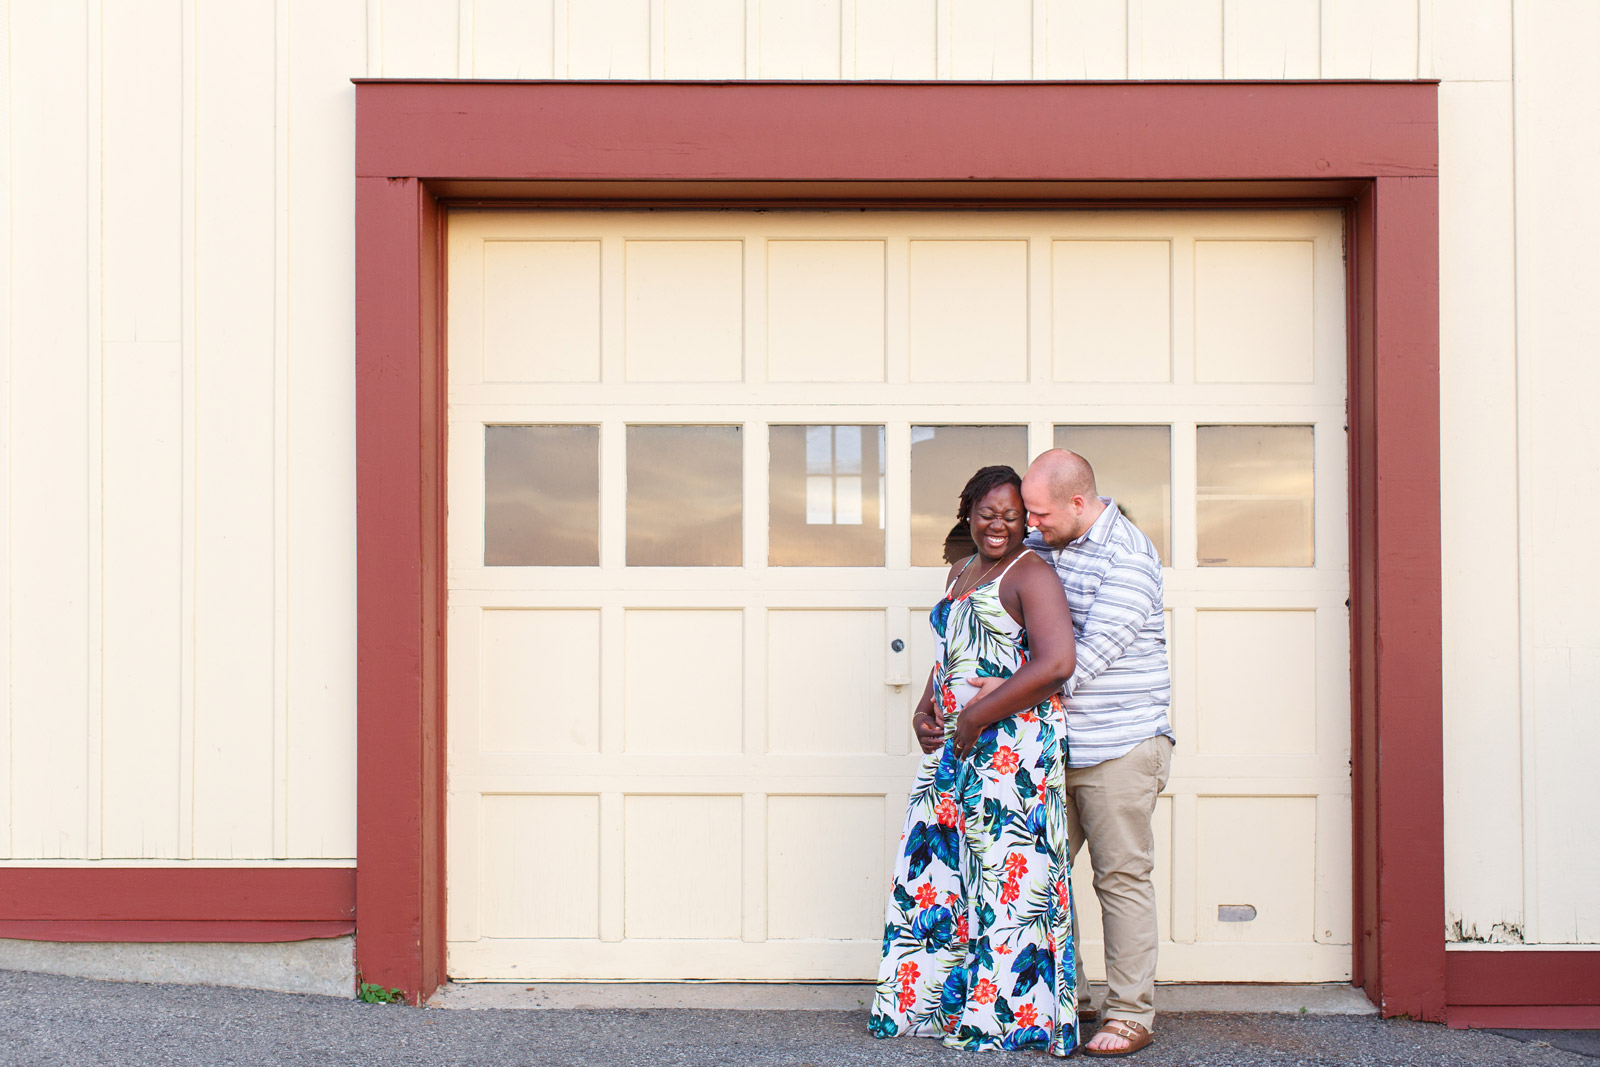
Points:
[(982, 484)]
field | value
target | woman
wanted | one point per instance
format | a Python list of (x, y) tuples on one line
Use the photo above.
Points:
[(977, 946)]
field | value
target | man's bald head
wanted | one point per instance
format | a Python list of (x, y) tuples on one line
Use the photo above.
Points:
[(1061, 497), (1064, 474)]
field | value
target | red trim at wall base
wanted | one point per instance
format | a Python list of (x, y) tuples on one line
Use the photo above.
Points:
[(1527, 1017), (176, 903), (1524, 989), (171, 931)]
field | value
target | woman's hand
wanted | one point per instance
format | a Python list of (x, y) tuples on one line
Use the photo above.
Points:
[(1052, 648), (930, 731), (969, 727)]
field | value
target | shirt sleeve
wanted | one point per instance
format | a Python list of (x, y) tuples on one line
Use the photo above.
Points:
[(1128, 595)]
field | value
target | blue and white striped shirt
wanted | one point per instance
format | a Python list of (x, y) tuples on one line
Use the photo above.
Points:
[(1119, 694)]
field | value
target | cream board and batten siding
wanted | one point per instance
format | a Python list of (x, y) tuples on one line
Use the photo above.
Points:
[(701, 772), (180, 526), (1558, 378), (86, 253), (901, 39)]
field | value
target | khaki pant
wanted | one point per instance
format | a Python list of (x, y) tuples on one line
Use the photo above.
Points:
[(1109, 806)]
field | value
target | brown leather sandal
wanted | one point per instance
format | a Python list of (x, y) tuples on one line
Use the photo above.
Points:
[(1136, 1036)]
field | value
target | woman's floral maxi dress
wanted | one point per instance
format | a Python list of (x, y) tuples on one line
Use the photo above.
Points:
[(977, 944)]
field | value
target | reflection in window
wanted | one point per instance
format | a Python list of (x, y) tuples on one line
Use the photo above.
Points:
[(685, 496), (942, 459), (1254, 506), (826, 493), (541, 496), (1133, 466)]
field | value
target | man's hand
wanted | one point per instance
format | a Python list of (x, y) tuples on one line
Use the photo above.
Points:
[(930, 732), (984, 686)]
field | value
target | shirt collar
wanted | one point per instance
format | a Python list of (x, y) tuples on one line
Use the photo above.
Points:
[(1101, 530)]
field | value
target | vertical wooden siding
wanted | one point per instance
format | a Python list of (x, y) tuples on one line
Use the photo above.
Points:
[(180, 494), (900, 39), (1557, 124), (180, 437)]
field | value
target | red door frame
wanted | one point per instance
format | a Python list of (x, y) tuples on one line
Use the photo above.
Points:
[(1372, 146)]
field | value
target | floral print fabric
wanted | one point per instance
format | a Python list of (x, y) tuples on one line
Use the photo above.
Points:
[(977, 940)]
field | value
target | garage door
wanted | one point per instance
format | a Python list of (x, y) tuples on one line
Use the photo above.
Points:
[(702, 469)]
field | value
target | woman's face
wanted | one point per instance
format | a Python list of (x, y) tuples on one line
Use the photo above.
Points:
[(999, 522)]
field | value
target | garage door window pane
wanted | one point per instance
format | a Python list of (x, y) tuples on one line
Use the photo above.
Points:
[(1133, 466), (826, 496), (541, 496), (685, 496), (942, 459), (1255, 496)]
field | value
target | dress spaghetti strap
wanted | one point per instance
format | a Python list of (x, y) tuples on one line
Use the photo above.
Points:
[(1013, 563), (951, 587)]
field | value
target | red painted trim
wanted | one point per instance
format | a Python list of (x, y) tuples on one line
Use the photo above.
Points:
[(1512, 977), (398, 831), (1360, 262), (292, 894), (435, 406), (849, 131), (1381, 137), (1527, 1017), (1407, 669), (166, 932)]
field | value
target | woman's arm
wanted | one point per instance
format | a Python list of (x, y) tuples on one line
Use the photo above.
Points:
[(925, 718), (1052, 652)]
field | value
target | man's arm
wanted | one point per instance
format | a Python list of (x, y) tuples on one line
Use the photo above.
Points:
[(1129, 593)]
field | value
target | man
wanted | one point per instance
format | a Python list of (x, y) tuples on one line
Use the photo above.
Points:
[(1119, 738)]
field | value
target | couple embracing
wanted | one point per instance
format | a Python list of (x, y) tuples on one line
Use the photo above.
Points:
[(1044, 724)]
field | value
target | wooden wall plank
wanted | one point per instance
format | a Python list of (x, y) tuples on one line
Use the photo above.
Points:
[(1478, 425), (141, 145), (991, 39), (49, 432), (321, 622), (142, 485), (1470, 40), (1086, 39), (420, 38), (1369, 39), (607, 39), (1175, 39), (896, 39), (5, 440), (141, 415), (799, 38), (1272, 38), (235, 335), (1557, 120), (510, 38), (703, 38)]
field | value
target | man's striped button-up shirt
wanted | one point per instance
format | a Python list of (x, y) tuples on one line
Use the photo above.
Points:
[(1119, 694)]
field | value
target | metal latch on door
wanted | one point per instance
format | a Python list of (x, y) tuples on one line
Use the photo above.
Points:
[(898, 675)]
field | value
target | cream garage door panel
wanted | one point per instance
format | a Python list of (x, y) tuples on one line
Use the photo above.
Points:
[(546, 301), (1112, 311), (702, 467), (847, 278)]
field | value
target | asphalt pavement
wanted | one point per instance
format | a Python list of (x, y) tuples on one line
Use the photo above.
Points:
[(48, 1020)]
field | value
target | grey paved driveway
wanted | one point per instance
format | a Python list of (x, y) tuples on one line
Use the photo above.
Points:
[(47, 1020)]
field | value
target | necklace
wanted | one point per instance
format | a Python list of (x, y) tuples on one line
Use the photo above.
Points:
[(985, 573)]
